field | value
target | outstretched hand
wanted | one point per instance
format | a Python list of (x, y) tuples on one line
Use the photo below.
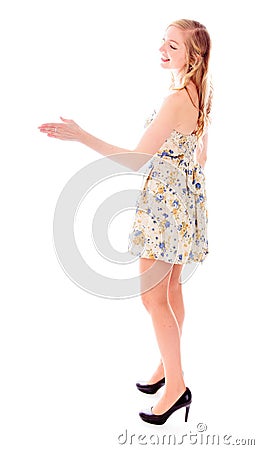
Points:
[(67, 131)]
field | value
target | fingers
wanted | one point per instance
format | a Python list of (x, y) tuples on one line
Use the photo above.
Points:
[(68, 130), (59, 133), (45, 127), (54, 125), (48, 125), (62, 138), (49, 129)]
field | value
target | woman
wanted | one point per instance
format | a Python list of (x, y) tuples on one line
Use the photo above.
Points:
[(174, 229)]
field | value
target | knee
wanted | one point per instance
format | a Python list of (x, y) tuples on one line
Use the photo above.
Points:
[(175, 286), (175, 281), (175, 296), (152, 302)]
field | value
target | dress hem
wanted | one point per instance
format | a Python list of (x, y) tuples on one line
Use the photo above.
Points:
[(188, 261)]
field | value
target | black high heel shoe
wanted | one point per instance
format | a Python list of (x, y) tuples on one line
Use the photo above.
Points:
[(159, 419), (151, 388)]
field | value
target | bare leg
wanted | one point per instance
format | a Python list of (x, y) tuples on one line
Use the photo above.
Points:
[(175, 296), (175, 299), (168, 337)]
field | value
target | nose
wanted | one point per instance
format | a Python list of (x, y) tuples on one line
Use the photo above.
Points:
[(161, 47)]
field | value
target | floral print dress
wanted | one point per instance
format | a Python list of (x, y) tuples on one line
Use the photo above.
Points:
[(171, 218)]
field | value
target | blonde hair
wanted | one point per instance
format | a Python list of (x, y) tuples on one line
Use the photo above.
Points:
[(198, 45)]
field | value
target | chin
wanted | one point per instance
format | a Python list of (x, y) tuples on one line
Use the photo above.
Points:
[(165, 65)]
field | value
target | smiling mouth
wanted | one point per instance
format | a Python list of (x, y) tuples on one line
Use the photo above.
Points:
[(165, 59)]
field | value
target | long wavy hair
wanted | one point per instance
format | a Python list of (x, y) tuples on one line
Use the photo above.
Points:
[(198, 46)]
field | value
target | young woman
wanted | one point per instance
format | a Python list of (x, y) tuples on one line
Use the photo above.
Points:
[(173, 230)]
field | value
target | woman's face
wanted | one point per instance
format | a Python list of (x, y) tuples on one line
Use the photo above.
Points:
[(173, 49)]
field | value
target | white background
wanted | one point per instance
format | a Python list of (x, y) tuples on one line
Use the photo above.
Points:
[(69, 359)]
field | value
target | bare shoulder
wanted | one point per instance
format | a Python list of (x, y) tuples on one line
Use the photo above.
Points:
[(180, 98), (175, 98), (172, 103)]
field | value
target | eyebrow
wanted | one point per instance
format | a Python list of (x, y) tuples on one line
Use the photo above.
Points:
[(171, 40)]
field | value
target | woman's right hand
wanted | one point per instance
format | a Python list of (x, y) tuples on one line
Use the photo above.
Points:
[(67, 131)]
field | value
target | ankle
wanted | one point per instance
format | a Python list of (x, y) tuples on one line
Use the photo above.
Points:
[(175, 387), (158, 374)]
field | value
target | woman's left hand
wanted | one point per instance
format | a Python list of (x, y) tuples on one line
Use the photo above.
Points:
[(67, 131)]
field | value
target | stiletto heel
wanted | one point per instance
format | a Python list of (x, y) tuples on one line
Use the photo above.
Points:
[(159, 419), (187, 413)]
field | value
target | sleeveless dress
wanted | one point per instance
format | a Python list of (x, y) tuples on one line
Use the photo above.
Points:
[(171, 217)]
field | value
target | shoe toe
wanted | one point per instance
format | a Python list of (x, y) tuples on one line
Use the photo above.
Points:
[(144, 416), (141, 383), (146, 413)]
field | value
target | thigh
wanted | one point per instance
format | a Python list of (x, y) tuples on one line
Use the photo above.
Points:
[(154, 277), (175, 276)]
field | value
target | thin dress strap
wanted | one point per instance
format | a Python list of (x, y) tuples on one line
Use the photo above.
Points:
[(190, 96)]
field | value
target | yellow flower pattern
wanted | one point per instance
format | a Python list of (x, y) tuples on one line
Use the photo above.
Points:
[(171, 218)]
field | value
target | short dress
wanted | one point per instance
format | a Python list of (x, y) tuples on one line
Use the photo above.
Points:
[(171, 216)]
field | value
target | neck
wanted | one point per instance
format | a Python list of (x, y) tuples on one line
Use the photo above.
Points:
[(177, 77)]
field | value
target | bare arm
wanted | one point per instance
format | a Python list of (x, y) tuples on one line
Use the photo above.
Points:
[(152, 139)]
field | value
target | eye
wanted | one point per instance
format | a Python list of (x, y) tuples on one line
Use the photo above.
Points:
[(173, 47)]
